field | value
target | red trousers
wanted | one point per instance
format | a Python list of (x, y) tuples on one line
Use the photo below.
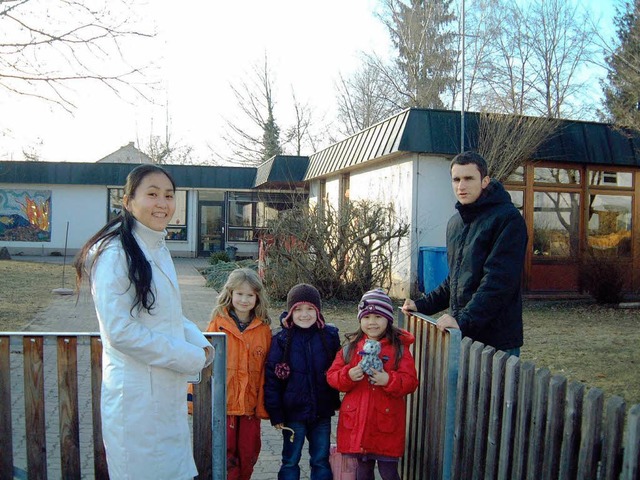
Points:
[(243, 446)]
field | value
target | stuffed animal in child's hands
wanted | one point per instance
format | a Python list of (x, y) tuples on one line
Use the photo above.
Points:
[(370, 360)]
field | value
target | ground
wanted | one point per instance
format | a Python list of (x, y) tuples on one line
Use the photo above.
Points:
[(592, 344)]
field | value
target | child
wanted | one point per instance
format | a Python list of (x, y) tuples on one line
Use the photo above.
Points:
[(242, 315), (297, 395), (371, 424)]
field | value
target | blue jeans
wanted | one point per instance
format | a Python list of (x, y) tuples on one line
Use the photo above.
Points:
[(318, 434), (514, 351)]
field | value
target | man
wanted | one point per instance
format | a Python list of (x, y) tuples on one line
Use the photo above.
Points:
[(486, 244)]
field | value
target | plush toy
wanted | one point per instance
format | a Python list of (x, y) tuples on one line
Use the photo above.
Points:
[(370, 359)]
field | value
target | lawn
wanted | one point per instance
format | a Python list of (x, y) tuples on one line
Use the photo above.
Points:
[(580, 340)]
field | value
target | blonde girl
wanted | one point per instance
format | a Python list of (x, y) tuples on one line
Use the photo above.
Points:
[(242, 315)]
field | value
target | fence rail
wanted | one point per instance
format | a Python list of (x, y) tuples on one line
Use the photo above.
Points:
[(511, 421), (62, 400)]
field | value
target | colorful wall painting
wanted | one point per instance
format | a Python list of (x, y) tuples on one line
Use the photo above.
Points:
[(25, 215)]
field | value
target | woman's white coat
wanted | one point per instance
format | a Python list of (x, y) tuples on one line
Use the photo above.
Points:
[(145, 363)]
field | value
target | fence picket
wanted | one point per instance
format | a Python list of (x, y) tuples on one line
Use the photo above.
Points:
[(611, 459), (538, 422), (494, 429), (554, 427), (509, 409), (99, 454), (631, 462), (482, 407), (471, 416), (33, 354), (523, 420), (6, 438), (571, 432), (458, 432), (68, 404), (590, 443)]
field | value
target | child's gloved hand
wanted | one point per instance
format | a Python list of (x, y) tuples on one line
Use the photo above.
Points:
[(356, 373)]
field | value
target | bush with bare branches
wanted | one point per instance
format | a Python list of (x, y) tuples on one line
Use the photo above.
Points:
[(343, 253)]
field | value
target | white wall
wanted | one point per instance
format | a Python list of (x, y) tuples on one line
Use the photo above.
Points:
[(390, 183), (419, 187), (84, 207), (434, 201)]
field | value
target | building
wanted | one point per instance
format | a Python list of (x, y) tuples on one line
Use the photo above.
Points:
[(53, 207), (579, 196)]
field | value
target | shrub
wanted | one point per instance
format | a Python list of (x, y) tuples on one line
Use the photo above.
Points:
[(602, 278), (342, 253), (218, 273), (217, 257)]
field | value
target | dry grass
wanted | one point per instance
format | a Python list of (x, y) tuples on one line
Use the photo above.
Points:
[(25, 289), (580, 340)]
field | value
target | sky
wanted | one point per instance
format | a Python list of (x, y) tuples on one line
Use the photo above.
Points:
[(204, 46), (200, 49)]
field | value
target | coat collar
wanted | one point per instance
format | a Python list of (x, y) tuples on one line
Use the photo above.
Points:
[(155, 250)]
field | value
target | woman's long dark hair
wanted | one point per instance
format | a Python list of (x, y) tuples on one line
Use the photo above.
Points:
[(139, 269)]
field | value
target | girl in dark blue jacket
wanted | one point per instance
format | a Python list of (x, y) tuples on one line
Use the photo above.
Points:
[(298, 398)]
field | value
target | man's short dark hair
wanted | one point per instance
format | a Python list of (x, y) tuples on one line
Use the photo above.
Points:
[(466, 158)]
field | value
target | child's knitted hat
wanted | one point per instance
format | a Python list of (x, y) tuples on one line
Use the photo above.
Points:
[(303, 293), (376, 301)]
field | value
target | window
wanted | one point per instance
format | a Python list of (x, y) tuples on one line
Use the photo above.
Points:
[(251, 212), (609, 179), (556, 224), (517, 197), (517, 176), (177, 228), (609, 225), (556, 175)]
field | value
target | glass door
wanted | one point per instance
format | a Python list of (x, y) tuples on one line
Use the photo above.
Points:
[(211, 227)]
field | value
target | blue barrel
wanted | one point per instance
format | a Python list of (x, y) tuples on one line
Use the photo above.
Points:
[(432, 267)]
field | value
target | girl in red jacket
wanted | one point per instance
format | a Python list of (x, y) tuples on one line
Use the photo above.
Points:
[(371, 423)]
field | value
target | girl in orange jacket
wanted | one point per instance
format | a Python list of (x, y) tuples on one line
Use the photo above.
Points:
[(241, 314)]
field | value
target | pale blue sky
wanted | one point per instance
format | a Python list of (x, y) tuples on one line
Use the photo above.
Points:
[(204, 46)]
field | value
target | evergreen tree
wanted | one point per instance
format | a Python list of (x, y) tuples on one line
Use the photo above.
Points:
[(420, 31), (622, 92), (270, 137)]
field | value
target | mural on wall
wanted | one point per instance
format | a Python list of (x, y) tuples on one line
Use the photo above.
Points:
[(25, 215)]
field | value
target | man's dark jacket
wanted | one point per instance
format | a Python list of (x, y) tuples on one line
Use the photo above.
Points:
[(486, 244)]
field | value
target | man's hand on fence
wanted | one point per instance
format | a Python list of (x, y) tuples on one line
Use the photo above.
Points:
[(447, 321), (409, 306)]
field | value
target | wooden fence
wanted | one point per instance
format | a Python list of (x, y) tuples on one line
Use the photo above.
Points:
[(209, 420), (511, 421)]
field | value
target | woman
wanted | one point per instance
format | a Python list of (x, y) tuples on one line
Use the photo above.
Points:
[(149, 347)]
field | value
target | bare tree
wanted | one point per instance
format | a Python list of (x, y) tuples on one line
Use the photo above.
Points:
[(507, 141), (256, 136), (365, 98), (307, 134), (527, 58), (48, 48), (562, 43)]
